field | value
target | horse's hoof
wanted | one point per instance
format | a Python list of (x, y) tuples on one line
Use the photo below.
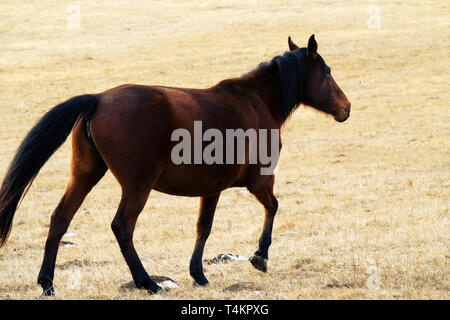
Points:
[(202, 284), (259, 263), (49, 292), (47, 287), (199, 278), (159, 291), (156, 290)]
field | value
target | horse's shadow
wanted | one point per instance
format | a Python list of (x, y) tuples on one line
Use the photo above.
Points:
[(131, 286)]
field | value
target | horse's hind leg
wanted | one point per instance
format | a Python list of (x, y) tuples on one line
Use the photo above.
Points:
[(204, 224), (87, 168), (123, 225)]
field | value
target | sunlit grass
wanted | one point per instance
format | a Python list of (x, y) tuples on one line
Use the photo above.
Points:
[(364, 205)]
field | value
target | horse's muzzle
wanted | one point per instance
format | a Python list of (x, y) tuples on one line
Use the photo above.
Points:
[(343, 114)]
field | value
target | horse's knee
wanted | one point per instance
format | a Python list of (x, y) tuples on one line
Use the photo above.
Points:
[(264, 194), (274, 205), (268, 200)]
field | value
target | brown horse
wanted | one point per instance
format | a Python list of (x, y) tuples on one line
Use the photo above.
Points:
[(128, 131)]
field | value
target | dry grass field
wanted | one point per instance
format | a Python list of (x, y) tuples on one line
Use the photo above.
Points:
[(364, 205)]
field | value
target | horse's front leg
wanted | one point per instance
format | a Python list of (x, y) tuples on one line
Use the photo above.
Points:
[(204, 224), (263, 191)]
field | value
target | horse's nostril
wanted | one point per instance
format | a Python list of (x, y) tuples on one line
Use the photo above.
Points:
[(347, 114)]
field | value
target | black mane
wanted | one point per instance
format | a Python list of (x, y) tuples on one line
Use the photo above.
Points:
[(291, 73)]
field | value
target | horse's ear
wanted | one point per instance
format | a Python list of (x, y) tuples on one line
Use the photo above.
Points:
[(312, 47), (292, 45)]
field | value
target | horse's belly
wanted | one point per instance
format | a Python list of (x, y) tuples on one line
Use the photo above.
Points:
[(199, 180)]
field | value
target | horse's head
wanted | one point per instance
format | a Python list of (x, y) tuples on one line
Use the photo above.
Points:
[(321, 91)]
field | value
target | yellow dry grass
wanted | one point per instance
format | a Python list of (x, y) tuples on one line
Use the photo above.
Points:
[(364, 205)]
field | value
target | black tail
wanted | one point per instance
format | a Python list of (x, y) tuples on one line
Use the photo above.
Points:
[(41, 142)]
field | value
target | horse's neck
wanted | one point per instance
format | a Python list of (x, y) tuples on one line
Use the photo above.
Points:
[(266, 84)]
